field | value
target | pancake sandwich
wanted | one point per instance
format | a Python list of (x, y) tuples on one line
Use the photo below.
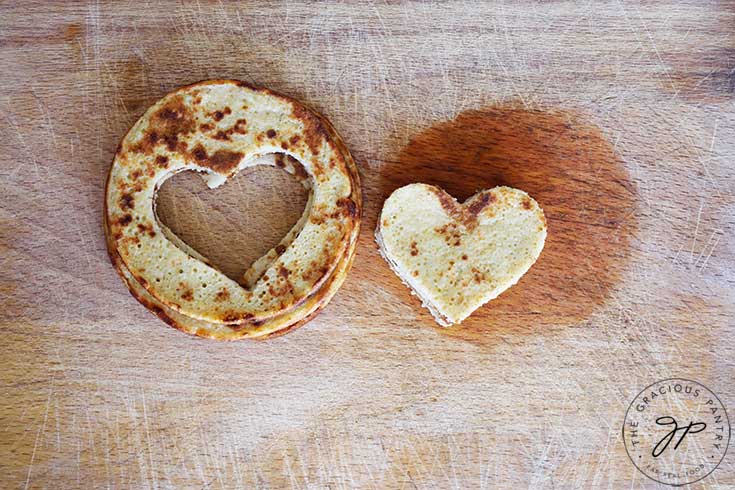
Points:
[(456, 257)]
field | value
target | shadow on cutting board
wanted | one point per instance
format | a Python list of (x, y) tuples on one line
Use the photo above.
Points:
[(571, 169)]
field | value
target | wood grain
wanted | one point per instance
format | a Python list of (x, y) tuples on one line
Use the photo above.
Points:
[(234, 225), (619, 118)]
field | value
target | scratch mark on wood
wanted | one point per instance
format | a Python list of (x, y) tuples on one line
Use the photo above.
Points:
[(41, 430)]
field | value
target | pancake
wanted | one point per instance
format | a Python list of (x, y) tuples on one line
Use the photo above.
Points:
[(322, 164), (457, 257), (219, 127)]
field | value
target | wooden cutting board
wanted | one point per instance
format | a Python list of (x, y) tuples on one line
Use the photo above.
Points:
[(618, 118)]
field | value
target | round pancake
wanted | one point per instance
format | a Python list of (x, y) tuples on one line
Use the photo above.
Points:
[(219, 127)]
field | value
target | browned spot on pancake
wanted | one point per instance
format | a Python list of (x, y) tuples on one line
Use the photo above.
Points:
[(222, 161), (117, 236), (288, 295), (284, 145), (206, 127), (136, 174), (337, 214), (271, 133), (218, 115), (447, 202), (146, 229), (464, 256), (126, 201), (230, 317), (227, 110), (198, 100), (166, 125), (170, 113), (526, 203), (314, 131), (415, 273), (222, 295), (478, 275), (280, 249), (224, 135), (464, 215), (294, 139), (385, 222), (348, 206), (451, 233), (186, 293), (280, 162), (132, 239), (414, 249), (235, 317), (317, 168), (124, 220), (199, 153), (240, 126), (316, 274), (298, 170), (283, 272), (481, 203), (172, 143), (162, 161)]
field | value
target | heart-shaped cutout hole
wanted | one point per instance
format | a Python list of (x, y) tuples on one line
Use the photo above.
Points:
[(237, 223)]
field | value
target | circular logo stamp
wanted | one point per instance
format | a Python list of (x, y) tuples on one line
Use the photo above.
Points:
[(676, 431)]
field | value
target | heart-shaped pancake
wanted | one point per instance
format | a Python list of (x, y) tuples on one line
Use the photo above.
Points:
[(456, 257)]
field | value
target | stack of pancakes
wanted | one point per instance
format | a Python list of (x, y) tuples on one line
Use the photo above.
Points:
[(217, 128)]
